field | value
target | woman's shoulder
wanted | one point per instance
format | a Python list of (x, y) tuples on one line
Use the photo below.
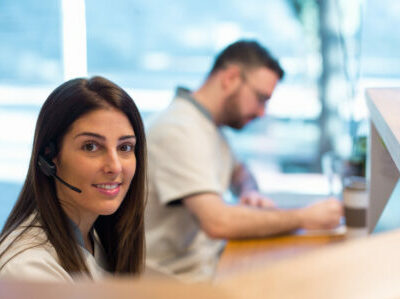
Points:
[(27, 234), (26, 254), (35, 263)]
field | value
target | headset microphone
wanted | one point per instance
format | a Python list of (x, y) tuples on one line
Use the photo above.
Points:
[(49, 169)]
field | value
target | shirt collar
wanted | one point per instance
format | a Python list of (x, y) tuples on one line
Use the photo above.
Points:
[(77, 233), (186, 94)]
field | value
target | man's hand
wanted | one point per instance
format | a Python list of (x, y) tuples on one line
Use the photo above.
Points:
[(324, 214), (255, 199)]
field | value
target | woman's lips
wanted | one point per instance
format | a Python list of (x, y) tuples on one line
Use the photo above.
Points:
[(110, 189)]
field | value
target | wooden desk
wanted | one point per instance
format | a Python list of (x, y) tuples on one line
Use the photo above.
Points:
[(364, 268), (361, 268), (246, 255)]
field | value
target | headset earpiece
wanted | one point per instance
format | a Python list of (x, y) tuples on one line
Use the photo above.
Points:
[(45, 162), (47, 167)]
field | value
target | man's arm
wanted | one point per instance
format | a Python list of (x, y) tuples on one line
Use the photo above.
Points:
[(245, 187), (220, 220), (242, 180)]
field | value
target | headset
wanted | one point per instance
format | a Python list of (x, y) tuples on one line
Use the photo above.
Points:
[(49, 168)]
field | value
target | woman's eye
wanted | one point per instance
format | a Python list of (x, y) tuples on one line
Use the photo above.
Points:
[(90, 147), (126, 147)]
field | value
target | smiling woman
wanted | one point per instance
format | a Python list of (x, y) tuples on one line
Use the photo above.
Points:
[(80, 212)]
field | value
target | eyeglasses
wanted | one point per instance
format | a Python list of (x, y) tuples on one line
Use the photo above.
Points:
[(262, 98)]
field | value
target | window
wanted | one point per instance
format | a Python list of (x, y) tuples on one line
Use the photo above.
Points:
[(150, 47), (30, 65)]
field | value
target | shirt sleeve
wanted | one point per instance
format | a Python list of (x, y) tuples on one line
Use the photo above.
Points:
[(182, 162)]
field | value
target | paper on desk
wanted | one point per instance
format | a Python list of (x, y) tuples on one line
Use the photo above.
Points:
[(338, 231)]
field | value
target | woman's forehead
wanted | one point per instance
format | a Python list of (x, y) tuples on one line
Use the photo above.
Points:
[(110, 120)]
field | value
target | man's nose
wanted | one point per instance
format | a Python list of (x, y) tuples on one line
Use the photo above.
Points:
[(261, 110)]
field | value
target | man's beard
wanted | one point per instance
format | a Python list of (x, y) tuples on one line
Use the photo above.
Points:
[(233, 118)]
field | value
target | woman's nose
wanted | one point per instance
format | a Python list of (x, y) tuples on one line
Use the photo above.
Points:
[(112, 163)]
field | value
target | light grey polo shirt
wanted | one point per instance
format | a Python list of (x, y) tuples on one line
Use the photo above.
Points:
[(187, 155)]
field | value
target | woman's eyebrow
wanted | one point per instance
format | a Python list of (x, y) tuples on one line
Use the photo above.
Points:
[(90, 134), (127, 137)]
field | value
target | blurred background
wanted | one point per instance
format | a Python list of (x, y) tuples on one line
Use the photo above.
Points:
[(331, 51)]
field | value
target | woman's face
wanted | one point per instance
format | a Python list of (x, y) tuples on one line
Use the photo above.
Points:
[(97, 156)]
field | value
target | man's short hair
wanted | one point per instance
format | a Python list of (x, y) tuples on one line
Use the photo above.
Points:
[(248, 54)]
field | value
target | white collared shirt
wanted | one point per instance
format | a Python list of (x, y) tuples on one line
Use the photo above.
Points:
[(32, 257)]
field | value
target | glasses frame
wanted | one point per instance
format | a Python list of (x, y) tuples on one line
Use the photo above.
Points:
[(262, 98)]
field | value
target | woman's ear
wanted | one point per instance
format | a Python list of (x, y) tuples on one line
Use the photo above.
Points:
[(55, 160), (50, 152)]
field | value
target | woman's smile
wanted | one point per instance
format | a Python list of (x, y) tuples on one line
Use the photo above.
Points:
[(110, 189)]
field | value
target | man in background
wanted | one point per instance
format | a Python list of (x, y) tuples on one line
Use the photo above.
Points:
[(191, 166)]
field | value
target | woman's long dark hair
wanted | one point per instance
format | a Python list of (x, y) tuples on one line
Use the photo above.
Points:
[(122, 233)]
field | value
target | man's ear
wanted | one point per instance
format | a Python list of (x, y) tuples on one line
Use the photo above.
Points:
[(231, 79)]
